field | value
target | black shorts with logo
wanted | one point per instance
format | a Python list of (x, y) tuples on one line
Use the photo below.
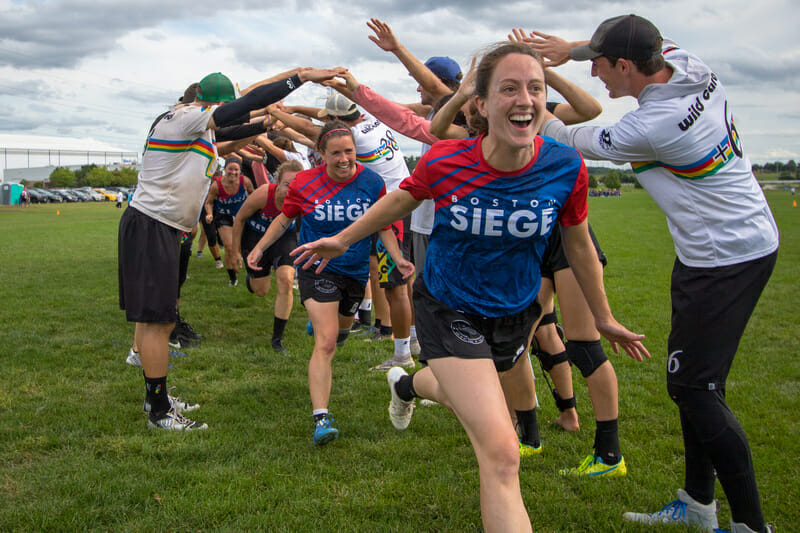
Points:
[(445, 332), (274, 256), (223, 220), (710, 310), (329, 287), (555, 259), (148, 265)]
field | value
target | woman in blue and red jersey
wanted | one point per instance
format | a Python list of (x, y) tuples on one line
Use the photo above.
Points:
[(249, 225), (225, 196), (330, 198), (497, 198)]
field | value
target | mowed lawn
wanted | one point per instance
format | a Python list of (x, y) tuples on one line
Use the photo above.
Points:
[(75, 454)]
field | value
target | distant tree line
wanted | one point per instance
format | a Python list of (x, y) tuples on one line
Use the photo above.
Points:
[(92, 176), (782, 171)]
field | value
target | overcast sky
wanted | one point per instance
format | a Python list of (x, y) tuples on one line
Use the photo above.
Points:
[(104, 70)]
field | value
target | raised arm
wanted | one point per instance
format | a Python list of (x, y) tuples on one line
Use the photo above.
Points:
[(386, 40), (442, 122), (304, 126), (251, 205), (580, 107)]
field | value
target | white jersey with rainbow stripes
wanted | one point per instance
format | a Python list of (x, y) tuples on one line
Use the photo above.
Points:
[(179, 161), (684, 148)]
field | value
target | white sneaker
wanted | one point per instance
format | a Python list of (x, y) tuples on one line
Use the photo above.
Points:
[(133, 358), (175, 402), (407, 362), (738, 527), (684, 510), (174, 421), (414, 345), (219, 263), (400, 411)]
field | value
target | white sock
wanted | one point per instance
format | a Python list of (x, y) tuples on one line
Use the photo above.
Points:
[(366, 305), (402, 349), (319, 412), (413, 331)]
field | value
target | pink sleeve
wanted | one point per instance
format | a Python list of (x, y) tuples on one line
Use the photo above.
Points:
[(399, 118)]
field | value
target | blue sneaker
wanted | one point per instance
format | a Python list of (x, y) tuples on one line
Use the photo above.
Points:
[(324, 432), (685, 510), (310, 328)]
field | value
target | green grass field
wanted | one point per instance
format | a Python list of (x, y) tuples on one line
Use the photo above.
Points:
[(76, 455)]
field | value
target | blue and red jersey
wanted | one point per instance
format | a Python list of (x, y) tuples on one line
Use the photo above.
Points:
[(491, 227), (229, 204), (329, 206), (261, 219)]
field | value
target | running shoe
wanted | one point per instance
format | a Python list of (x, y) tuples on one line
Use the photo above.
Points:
[(277, 345), (175, 402), (414, 345), (400, 411), (233, 282), (185, 329), (593, 466), (685, 510), (407, 362), (199, 254), (324, 432), (218, 263), (527, 450), (366, 331), (173, 420), (133, 358), (738, 527), (378, 336), (310, 328)]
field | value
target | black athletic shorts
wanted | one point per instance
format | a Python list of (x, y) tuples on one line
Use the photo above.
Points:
[(223, 220), (554, 258), (710, 309), (388, 274), (328, 287), (274, 256), (210, 229), (445, 332), (148, 256)]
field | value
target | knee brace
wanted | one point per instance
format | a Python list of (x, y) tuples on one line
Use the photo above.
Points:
[(548, 360), (548, 318), (587, 356)]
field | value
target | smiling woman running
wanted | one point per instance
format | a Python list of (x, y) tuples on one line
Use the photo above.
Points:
[(497, 199), (330, 198)]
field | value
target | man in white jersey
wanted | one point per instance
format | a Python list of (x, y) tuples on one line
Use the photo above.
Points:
[(178, 163), (684, 147)]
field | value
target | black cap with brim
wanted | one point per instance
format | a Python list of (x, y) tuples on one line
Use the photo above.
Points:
[(627, 36)]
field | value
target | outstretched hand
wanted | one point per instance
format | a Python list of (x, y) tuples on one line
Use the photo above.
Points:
[(384, 37), (554, 50), (618, 335), (318, 75), (322, 250)]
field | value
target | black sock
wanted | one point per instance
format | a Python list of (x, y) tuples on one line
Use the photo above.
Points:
[(405, 388), (377, 323), (157, 396), (606, 441), (278, 325), (342, 336), (232, 274), (528, 425), (365, 316), (247, 282), (385, 330)]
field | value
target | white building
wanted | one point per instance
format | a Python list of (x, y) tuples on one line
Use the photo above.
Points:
[(33, 157)]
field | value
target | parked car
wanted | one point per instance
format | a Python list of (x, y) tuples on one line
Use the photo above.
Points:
[(81, 195), (66, 195), (37, 197), (96, 196), (108, 195), (51, 196)]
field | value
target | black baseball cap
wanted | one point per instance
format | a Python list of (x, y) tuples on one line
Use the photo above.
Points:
[(627, 36)]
